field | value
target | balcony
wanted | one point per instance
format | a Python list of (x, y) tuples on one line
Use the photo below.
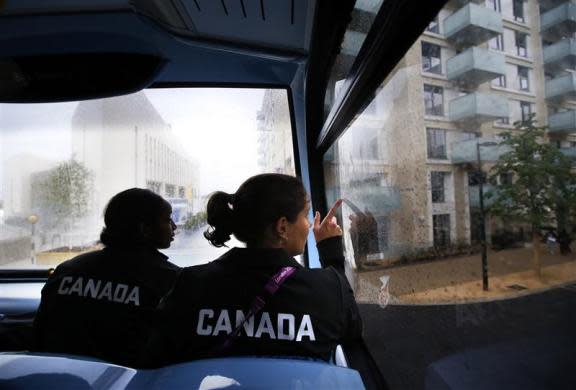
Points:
[(559, 22), (561, 88), (477, 108), (475, 66), (561, 55), (472, 25), (465, 152), (375, 199), (562, 122)]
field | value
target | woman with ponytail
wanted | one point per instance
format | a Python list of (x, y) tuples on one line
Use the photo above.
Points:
[(258, 300)]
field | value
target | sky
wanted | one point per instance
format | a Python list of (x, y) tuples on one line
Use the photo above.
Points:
[(216, 126)]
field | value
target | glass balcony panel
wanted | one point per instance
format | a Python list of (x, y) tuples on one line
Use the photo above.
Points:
[(476, 108), (560, 56), (559, 22), (561, 88), (465, 152), (562, 122), (472, 25), (475, 66)]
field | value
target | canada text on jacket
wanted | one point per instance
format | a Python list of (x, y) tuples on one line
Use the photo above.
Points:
[(100, 289)]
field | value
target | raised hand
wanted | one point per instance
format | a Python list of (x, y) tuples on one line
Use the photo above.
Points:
[(328, 227)]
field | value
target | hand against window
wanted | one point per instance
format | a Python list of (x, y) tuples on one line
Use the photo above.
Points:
[(329, 226)]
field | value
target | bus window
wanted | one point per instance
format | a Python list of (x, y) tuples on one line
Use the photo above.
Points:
[(61, 162), (451, 263)]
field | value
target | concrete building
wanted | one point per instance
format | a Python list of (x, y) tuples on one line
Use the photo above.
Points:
[(275, 133), (479, 67), (126, 143)]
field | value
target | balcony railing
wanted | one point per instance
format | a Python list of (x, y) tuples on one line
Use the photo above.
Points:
[(562, 122), (472, 25), (477, 108), (375, 199), (561, 88), (561, 55), (475, 66), (559, 22), (465, 152)]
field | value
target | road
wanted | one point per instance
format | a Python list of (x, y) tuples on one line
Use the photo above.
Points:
[(527, 342)]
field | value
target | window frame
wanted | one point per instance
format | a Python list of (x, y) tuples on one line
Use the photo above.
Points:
[(428, 59), (431, 93)]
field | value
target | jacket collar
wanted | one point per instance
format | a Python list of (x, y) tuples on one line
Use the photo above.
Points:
[(258, 257)]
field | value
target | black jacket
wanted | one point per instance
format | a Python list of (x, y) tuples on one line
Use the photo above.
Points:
[(96, 304), (312, 312)]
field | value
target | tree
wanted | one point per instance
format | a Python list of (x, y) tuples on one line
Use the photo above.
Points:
[(542, 186), (63, 193)]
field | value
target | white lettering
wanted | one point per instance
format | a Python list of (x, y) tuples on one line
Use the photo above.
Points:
[(76, 288), (134, 296), (306, 329), (248, 325), (282, 317), (63, 290), (223, 324), (106, 291), (92, 288), (265, 326), (120, 293), (200, 329)]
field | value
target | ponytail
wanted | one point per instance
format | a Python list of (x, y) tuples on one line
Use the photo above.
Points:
[(220, 217)]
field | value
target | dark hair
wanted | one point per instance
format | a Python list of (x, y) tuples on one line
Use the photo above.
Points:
[(126, 211), (258, 204)]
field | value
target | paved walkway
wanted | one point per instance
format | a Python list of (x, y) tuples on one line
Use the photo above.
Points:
[(459, 279)]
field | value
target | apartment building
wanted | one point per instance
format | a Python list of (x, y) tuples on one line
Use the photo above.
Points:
[(479, 67)]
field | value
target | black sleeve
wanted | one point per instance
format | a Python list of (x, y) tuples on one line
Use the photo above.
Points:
[(331, 253)]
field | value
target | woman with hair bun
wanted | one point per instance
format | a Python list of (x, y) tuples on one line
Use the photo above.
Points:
[(259, 300), (96, 304)]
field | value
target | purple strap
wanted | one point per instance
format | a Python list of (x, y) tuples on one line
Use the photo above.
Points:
[(258, 303)]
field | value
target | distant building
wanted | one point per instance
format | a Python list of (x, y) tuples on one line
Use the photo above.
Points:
[(275, 133)]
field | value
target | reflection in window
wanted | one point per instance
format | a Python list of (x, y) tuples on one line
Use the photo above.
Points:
[(434, 26), (437, 186), (497, 43), (441, 230), (521, 44), (523, 78), (433, 100), (518, 10), (436, 143), (431, 58)]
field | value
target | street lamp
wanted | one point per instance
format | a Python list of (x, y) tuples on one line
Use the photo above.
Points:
[(482, 216), (32, 219)]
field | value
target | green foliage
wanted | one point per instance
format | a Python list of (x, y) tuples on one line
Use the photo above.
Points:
[(542, 180), (63, 193), (195, 221)]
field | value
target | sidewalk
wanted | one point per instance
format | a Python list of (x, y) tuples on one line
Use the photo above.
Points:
[(458, 280)]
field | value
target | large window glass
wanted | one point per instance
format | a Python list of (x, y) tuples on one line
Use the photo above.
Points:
[(440, 203), (60, 163)]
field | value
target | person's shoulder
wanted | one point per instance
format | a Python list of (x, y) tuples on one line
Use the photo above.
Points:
[(326, 276), (82, 260)]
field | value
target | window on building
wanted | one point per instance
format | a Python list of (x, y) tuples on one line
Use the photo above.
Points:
[(503, 121), (170, 190), (434, 26), (521, 40), (436, 139), (525, 111), (437, 187), (518, 10), (497, 43), (434, 100), (494, 4), (441, 230), (505, 178), (181, 192), (431, 58), (468, 135), (523, 78), (154, 186), (499, 81)]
